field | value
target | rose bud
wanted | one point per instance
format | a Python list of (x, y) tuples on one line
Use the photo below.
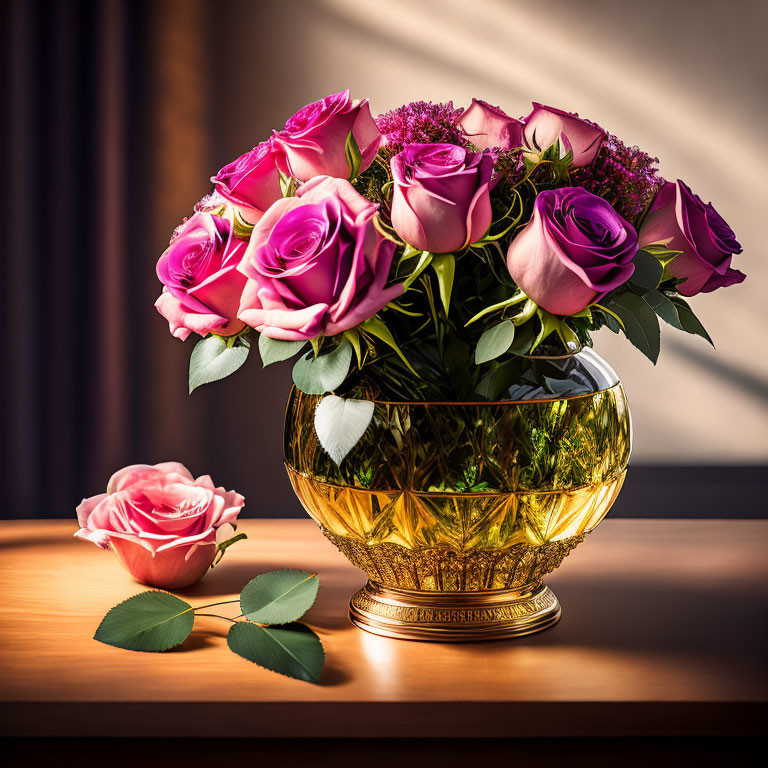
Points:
[(160, 522), (681, 221), (573, 251), (314, 139), (316, 264), (202, 283), (488, 127), (545, 125), (252, 182), (440, 201)]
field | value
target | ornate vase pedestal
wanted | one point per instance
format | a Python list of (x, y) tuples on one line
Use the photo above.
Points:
[(490, 614)]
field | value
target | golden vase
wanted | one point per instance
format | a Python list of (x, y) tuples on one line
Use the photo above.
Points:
[(456, 511)]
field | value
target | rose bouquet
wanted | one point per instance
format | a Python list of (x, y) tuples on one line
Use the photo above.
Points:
[(414, 255), (438, 273)]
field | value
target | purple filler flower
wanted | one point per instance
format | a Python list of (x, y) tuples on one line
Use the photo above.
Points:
[(573, 251), (421, 122)]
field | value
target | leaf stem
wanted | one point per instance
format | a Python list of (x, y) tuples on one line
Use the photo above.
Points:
[(210, 605), (216, 616)]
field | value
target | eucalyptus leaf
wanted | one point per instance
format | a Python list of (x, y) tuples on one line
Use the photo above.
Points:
[(495, 342), (318, 375), (648, 271), (340, 423), (277, 350), (279, 597), (150, 621), (214, 358), (641, 326), (293, 650)]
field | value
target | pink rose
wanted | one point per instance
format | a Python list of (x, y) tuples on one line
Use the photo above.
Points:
[(252, 182), (683, 222), (202, 283), (488, 127), (160, 522), (573, 251), (545, 125), (441, 201), (314, 139), (316, 264)]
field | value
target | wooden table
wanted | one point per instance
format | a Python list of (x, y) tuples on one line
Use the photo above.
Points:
[(663, 633)]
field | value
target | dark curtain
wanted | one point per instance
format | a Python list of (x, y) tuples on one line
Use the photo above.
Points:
[(106, 150)]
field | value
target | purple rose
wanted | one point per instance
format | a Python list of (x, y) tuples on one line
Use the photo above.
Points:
[(441, 201), (488, 127), (573, 251), (316, 264), (201, 279), (683, 222), (545, 125), (252, 182), (314, 139)]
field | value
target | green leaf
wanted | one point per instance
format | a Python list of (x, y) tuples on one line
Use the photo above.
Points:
[(424, 261), (689, 321), (150, 621), (279, 597), (276, 350), (215, 357), (664, 255), (376, 327), (648, 271), (445, 268), (293, 650), (664, 307), (641, 326), (353, 337), (495, 342), (318, 375), (354, 156)]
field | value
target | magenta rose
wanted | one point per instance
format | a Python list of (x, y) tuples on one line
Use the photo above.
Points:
[(201, 279), (488, 127), (252, 182), (314, 139), (683, 222), (160, 522), (441, 201), (315, 264), (545, 125), (573, 251)]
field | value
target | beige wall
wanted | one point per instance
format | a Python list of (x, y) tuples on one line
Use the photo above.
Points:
[(685, 80)]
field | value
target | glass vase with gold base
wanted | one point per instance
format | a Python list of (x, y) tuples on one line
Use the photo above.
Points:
[(456, 511)]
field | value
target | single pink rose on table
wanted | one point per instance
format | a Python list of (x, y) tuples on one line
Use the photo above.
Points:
[(545, 125), (252, 182), (489, 127), (315, 264), (314, 139), (681, 221), (160, 522), (202, 283), (441, 200), (573, 251)]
